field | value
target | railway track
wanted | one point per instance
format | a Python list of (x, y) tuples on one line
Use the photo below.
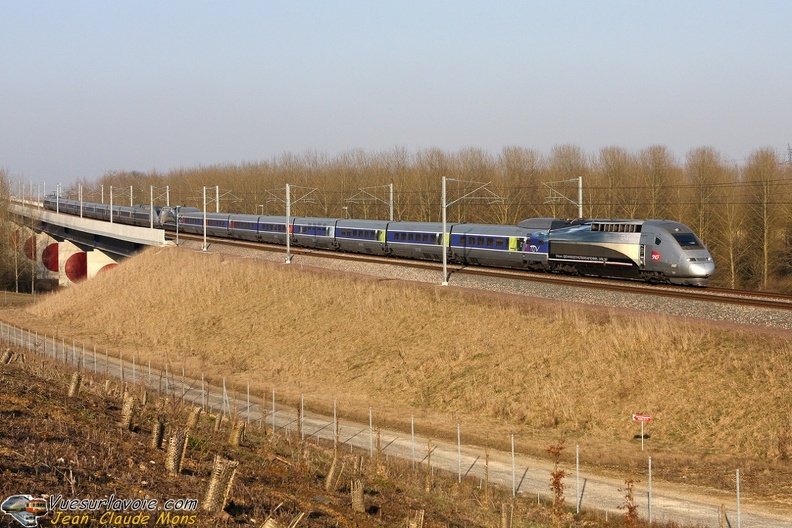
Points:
[(750, 299)]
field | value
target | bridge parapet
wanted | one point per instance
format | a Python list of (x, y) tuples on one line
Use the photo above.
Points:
[(70, 224)]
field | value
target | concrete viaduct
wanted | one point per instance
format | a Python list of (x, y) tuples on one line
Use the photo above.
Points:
[(69, 248)]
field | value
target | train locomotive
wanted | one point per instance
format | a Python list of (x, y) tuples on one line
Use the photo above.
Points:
[(656, 251)]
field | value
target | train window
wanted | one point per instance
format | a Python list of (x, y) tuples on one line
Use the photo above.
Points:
[(657, 241), (499, 243), (480, 241), (616, 228), (687, 240)]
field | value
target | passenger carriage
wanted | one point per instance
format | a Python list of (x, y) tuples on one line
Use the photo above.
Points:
[(488, 245), (97, 211), (417, 240), (315, 233), (361, 236), (273, 229), (139, 215), (217, 224), (244, 227)]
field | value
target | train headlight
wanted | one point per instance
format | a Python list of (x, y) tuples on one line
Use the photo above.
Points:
[(702, 269)]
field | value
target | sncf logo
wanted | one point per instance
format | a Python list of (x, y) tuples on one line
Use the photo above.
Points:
[(655, 256)]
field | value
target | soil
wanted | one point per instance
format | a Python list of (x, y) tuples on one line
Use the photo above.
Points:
[(76, 447)]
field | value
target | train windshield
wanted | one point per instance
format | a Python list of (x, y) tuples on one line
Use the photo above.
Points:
[(688, 241)]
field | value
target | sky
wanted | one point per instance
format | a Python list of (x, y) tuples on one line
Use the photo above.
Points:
[(90, 87)]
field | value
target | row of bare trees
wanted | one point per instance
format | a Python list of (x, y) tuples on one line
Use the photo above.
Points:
[(16, 271), (743, 212)]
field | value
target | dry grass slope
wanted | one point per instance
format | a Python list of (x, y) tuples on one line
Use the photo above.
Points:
[(495, 365)]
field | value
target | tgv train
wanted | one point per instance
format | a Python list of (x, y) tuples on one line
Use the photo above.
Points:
[(661, 251)]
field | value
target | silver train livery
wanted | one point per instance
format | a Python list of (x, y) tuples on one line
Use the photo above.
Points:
[(657, 251)]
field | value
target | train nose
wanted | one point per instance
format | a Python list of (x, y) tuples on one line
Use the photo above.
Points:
[(701, 267)]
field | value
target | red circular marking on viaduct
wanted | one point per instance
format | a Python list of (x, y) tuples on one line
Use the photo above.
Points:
[(49, 257), (29, 248), (76, 267), (106, 267)]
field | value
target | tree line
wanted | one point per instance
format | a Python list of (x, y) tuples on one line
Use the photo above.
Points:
[(742, 211)]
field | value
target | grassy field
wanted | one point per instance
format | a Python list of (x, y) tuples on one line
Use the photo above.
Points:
[(73, 445), (720, 399)]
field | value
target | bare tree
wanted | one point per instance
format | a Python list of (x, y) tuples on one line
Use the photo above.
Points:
[(614, 170), (763, 175), (658, 174), (730, 238), (705, 173), (520, 183), (432, 166), (566, 162)]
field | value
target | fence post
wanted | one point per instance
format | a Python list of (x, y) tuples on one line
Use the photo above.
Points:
[(412, 438), (459, 453), (650, 490), (514, 473), (577, 478), (738, 499)]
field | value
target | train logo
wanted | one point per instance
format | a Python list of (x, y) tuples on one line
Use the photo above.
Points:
[(24, 509), (655, 256)]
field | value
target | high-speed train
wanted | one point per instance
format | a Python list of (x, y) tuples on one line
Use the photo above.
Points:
[(661, 251)]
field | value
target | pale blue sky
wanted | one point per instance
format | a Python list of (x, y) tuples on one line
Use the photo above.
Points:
[(93, 86)]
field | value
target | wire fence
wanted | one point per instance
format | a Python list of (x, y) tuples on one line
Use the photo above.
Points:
[(524, 476)]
